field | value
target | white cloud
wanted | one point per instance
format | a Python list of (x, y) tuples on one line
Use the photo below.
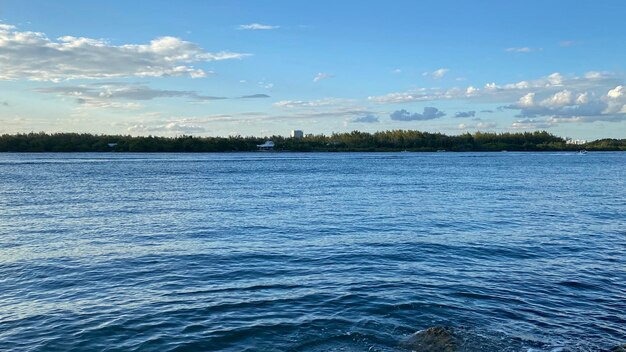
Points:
[(582, 98), (477, 126), (555, 79), (616, 101), (421, 94), (166, 128), (256, 27), (567, 106), (310, 103), (530, 124), (332, 112), (616, 92), (595, 74), (491, 91), (6, 27), (34, 56), (320, 76), (588, 98), (437, 74), (471, 90), (559, 99), (522, 49)]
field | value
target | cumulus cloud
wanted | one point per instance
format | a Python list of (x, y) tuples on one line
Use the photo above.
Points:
[(471, 90), (561, 98), (429, 113), (34, 56), (594, 96), (616, 92), (366, 119), (437, 74), (522, 49), (320, 76), (462, 114), (569, 106), (256, 27)]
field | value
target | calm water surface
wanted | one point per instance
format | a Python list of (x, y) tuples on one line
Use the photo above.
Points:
[(311, 252)]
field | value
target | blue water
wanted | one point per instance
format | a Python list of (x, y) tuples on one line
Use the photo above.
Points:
[(311, 252)]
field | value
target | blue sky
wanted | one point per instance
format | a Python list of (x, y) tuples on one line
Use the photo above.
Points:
[(266, 67)]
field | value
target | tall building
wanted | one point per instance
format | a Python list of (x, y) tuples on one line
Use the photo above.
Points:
[(297, 134)]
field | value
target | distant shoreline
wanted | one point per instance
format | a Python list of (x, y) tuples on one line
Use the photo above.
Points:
[(386, 141), (317, 151)]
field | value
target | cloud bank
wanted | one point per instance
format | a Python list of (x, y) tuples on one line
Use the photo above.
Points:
[(34, 56), (546, 101), (110, 94)]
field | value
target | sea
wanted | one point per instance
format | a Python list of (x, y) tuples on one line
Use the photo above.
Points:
[(312, 251)]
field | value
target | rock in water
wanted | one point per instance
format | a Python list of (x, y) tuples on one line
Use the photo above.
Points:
[(620, 348), (435, 339)]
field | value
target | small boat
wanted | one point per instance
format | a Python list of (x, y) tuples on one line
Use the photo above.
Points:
[(582, 152)]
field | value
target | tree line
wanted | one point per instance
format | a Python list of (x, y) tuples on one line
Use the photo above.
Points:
[(395, 140)]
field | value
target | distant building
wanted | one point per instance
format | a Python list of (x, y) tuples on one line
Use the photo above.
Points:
[(297, 134), (268, 145), (576, 141), (112, 145)]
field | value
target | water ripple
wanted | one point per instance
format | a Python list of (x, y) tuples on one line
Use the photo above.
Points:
[(311, 252)]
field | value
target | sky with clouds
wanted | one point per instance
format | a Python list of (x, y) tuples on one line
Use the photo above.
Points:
[(221, 68)]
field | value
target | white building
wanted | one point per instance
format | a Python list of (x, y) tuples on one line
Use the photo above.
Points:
[(268, 145), (297, 134)]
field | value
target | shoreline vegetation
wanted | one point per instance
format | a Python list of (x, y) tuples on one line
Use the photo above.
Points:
[(385, 141)]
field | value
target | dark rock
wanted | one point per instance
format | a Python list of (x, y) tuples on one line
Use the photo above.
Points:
[(620, 348), (435, 339)]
